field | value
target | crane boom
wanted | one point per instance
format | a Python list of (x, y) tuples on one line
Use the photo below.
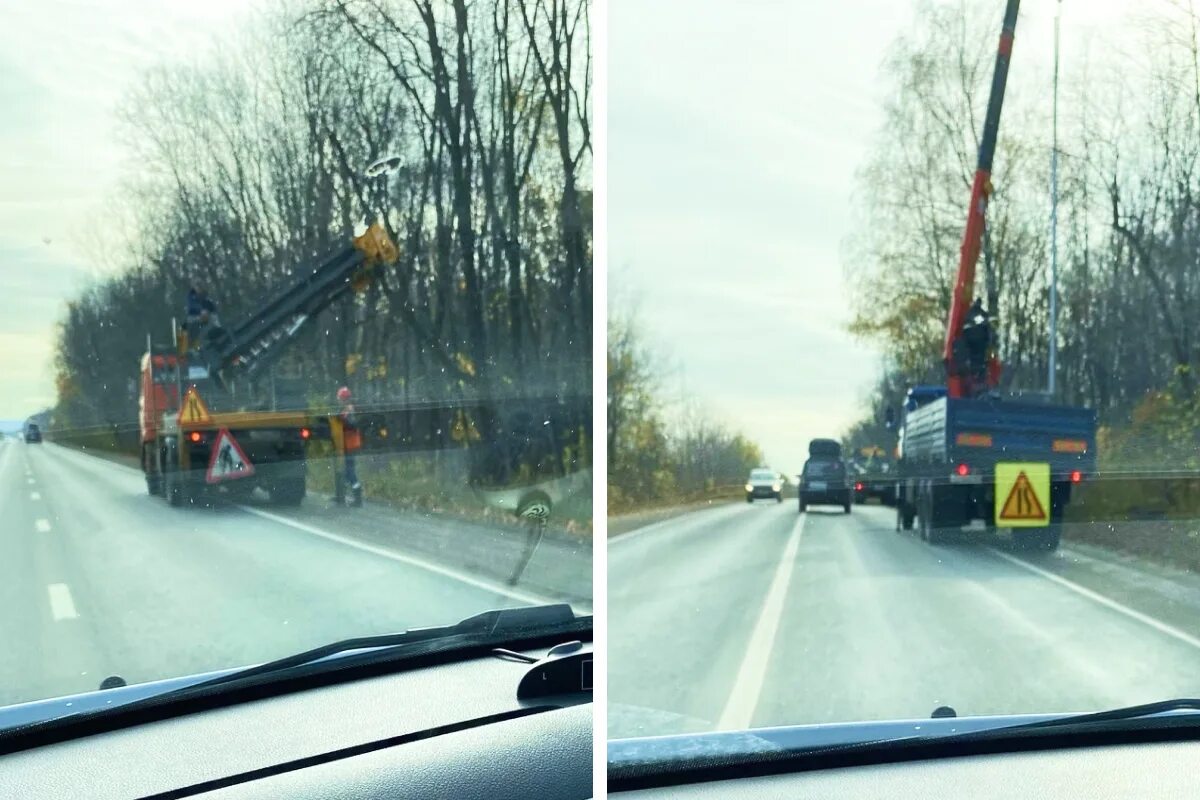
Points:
[(255, 342), (960, 382)]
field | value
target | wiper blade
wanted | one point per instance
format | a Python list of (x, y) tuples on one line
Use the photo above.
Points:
[(489, 624), (1112, 715)]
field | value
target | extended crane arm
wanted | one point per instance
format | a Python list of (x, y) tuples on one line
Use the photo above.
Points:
[(958, 382), (258, 340)]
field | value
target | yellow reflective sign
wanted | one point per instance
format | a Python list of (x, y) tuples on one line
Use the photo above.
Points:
[(1022, 495), (194, 411)]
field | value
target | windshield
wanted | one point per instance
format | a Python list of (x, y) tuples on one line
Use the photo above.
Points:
[(762, 475), (1027, 330), (306, 333)]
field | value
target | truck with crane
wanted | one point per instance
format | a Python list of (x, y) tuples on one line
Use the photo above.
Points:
[(965, 452), (208, 419)]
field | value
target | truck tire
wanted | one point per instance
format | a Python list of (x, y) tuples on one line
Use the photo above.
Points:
[(906, 515), (931, 521), (154, 481), (288, 482), (803, 505), (172, 480), (288, 493), (750, 499), (848, 502), (779, 497)]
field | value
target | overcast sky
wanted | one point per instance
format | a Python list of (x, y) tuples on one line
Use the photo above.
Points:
[(64, 67), (735, 131)]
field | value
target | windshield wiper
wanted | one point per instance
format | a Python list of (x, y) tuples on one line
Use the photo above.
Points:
[(485, 630), (1112, 715), (500, 624)]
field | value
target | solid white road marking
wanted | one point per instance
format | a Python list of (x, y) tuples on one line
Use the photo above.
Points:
[(524, 597), (43, 525), (35, 496), (748, 685), (61, 604), (1158, 625)]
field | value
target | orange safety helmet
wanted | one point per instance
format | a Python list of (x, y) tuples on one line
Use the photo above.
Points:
[(343, 393)]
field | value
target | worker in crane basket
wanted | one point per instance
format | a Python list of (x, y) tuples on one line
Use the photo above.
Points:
[(200, 310), (351, 443), (976, 344)]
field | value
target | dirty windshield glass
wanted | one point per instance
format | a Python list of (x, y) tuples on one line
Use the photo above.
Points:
[(971, 241), (295, 329)]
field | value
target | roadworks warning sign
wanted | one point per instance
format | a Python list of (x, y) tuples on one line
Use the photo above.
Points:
[(228, 460), (193, 411), (1022, 495)]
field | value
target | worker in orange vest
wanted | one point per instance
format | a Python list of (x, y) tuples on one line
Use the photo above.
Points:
[(351, 442)]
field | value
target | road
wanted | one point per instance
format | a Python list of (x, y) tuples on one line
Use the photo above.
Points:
[(748, 616), (97, 578)]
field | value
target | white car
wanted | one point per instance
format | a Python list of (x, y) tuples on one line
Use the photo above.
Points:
[(764, 483)]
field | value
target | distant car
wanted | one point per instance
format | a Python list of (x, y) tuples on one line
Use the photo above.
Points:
[(764, 483), (825, 479), (33, 434)]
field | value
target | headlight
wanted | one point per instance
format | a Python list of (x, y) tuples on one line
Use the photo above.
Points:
[(777, 487), (749, 488)]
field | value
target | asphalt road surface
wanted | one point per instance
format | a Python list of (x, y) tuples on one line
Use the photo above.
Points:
[(98, 578), (750, 616)]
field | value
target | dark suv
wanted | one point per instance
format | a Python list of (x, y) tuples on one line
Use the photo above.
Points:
[(825, 480), (33, 433)]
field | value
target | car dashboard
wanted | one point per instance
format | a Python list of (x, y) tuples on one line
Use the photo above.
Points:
[(452, 730)]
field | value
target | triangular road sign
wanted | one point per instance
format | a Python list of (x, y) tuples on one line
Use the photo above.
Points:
[(228, 460), (1022, 502), (193, 411)]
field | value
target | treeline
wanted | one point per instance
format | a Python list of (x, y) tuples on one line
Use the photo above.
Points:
[(658, 455), (1129, 215), (253, 161)]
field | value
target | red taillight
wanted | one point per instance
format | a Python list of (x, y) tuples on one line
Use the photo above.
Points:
[(305, 433), (194, 436), (963, 470), (1076, 476), (858, 487)]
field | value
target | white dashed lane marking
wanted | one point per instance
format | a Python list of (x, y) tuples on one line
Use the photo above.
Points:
[(62, 606), (35, 496), (43, 525)]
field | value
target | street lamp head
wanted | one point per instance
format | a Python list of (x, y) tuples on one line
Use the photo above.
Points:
[(382, 166)]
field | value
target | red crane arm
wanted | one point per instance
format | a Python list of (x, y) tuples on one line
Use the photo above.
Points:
[(959, 384)]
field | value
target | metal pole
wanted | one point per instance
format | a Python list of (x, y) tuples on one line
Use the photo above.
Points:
[(1054, 218)]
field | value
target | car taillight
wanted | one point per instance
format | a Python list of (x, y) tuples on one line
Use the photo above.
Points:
[(858, 487), (1076, 476), (305, 433), (194, 436), (963, 470)]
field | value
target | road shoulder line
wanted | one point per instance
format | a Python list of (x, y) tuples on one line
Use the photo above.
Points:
[(420, 563), (747, 686), (1096, 597)]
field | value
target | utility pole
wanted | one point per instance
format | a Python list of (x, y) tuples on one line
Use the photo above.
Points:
[(1054, 218)]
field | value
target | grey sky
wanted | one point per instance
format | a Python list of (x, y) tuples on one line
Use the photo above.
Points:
[(64, 67), (735, 131)]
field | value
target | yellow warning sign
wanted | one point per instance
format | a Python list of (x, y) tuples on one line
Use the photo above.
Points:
[(1022, 495), (194, 412)]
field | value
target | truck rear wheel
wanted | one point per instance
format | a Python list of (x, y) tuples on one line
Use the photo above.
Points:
[(290, 487), (154, 481), (930, 520)]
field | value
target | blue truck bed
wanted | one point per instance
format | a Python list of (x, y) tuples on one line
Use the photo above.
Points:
[(981, 432)]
